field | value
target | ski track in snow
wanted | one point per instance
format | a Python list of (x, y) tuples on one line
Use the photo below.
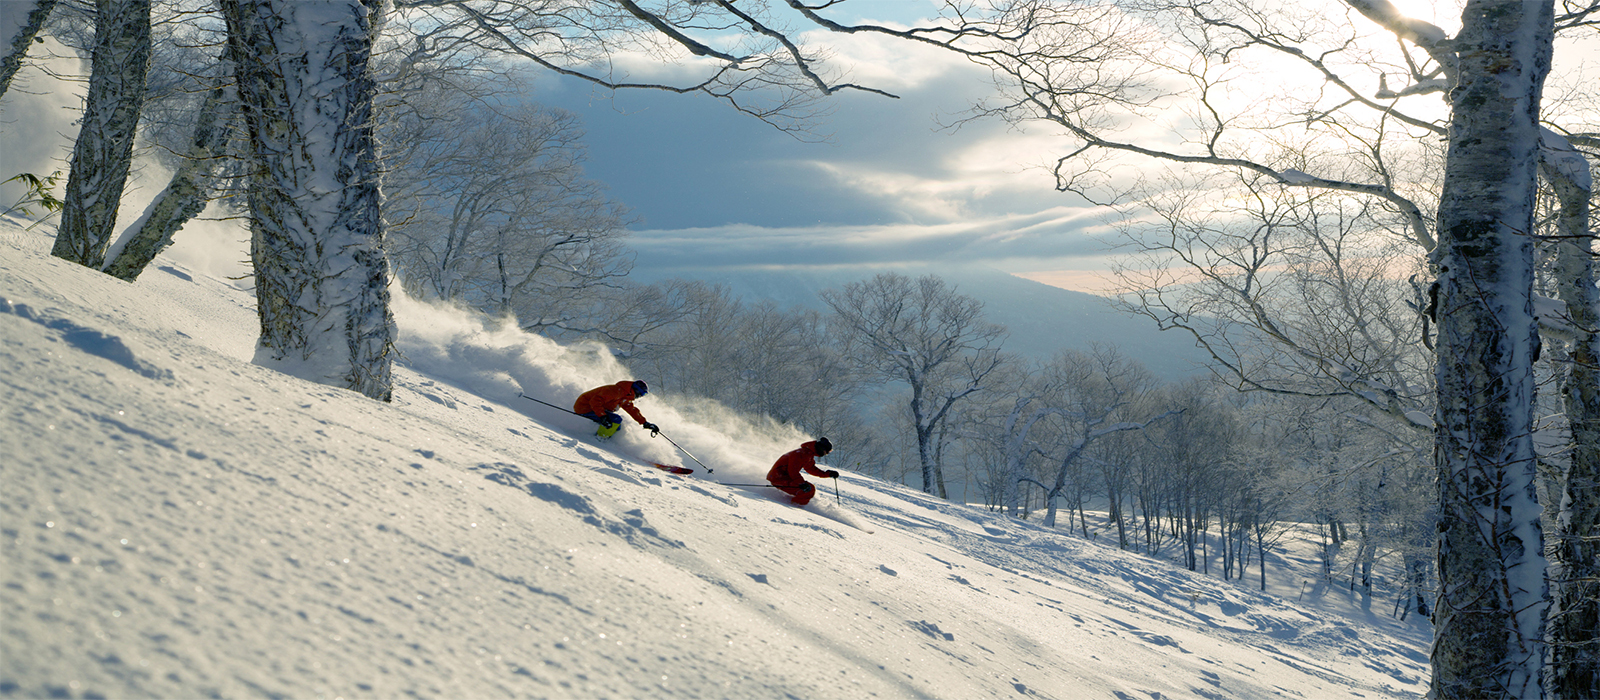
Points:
[(178, 522)]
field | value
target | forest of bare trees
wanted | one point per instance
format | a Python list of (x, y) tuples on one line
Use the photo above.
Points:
[(1391, 267)]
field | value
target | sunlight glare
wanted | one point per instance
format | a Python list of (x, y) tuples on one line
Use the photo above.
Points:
[(1446, 15)]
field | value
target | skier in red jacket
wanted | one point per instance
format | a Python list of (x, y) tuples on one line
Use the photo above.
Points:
[(600, 405), (785, 474)]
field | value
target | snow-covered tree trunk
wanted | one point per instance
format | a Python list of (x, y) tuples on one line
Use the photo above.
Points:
[(22, 36), (1574, 622), (1416, 585), (925, 426), (186, 193), (317, 239), (1019, 422), (103, 152), (1489, 622), (1261, 555)]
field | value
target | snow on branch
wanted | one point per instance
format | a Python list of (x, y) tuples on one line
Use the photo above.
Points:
[(1295, 177), (1386, 14), (1559, 153)]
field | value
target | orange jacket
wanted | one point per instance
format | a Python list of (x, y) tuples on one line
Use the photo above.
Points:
[(608, 398), (786, 472)]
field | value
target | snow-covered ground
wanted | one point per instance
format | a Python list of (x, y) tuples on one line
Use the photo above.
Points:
[(178, 523)]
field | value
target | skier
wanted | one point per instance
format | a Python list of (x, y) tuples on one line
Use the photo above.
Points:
[(785, 473), (601, 403)]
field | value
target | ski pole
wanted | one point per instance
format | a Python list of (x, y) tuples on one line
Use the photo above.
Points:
[(575, 413), (558, 408), (836, 497), (686, 452)]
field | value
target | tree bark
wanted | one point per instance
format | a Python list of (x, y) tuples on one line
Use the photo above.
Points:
[(186, 193), (1574, 622), (1489, 626), (22, 41), (924, 428), (103, 152), (317, 239)]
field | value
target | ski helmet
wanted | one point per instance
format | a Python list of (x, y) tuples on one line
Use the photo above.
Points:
[(639, 388), (823, 446)]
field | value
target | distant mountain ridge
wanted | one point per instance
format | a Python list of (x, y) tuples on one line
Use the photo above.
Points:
[(1042, 319)]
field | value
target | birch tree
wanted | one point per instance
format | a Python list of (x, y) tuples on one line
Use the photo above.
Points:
[(1290, 293), (318, 250), (1575, 563), (790, 369), (1118, 456), (1193, 449), (188, 190), (1026, 402), (22, 29), (638, 322), (317, 235), (103, 151), (1350, 117), (922, 333), (1489, 621)]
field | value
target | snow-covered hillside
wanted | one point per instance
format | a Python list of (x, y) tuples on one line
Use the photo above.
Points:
[(178, 522)]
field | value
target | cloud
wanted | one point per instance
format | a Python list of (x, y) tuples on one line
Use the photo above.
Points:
[(717, 189), (888, 63), (980, 175), (1052, 234), (683, 162)]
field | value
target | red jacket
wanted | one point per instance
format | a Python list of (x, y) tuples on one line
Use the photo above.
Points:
[(609, 398), (786, 472)]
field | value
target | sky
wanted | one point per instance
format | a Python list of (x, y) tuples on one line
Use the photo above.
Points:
[(881, 182), (877, 182), (890, 182), (180, 522)]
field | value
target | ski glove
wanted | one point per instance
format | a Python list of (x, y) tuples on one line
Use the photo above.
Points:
[(832, 474), (652, 428)]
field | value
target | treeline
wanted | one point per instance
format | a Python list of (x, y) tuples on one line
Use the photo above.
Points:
[(913, 385), (1493, 352), (488, 207)]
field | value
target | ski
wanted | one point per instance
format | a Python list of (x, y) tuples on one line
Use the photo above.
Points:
[(672, 469)]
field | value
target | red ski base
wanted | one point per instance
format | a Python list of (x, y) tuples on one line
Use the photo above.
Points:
[(672, 469)]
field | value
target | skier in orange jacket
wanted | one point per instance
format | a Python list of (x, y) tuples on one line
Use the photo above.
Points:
[(600, 405), (785, 473)]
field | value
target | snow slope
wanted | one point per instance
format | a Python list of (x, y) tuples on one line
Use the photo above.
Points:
[(177, 522)]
